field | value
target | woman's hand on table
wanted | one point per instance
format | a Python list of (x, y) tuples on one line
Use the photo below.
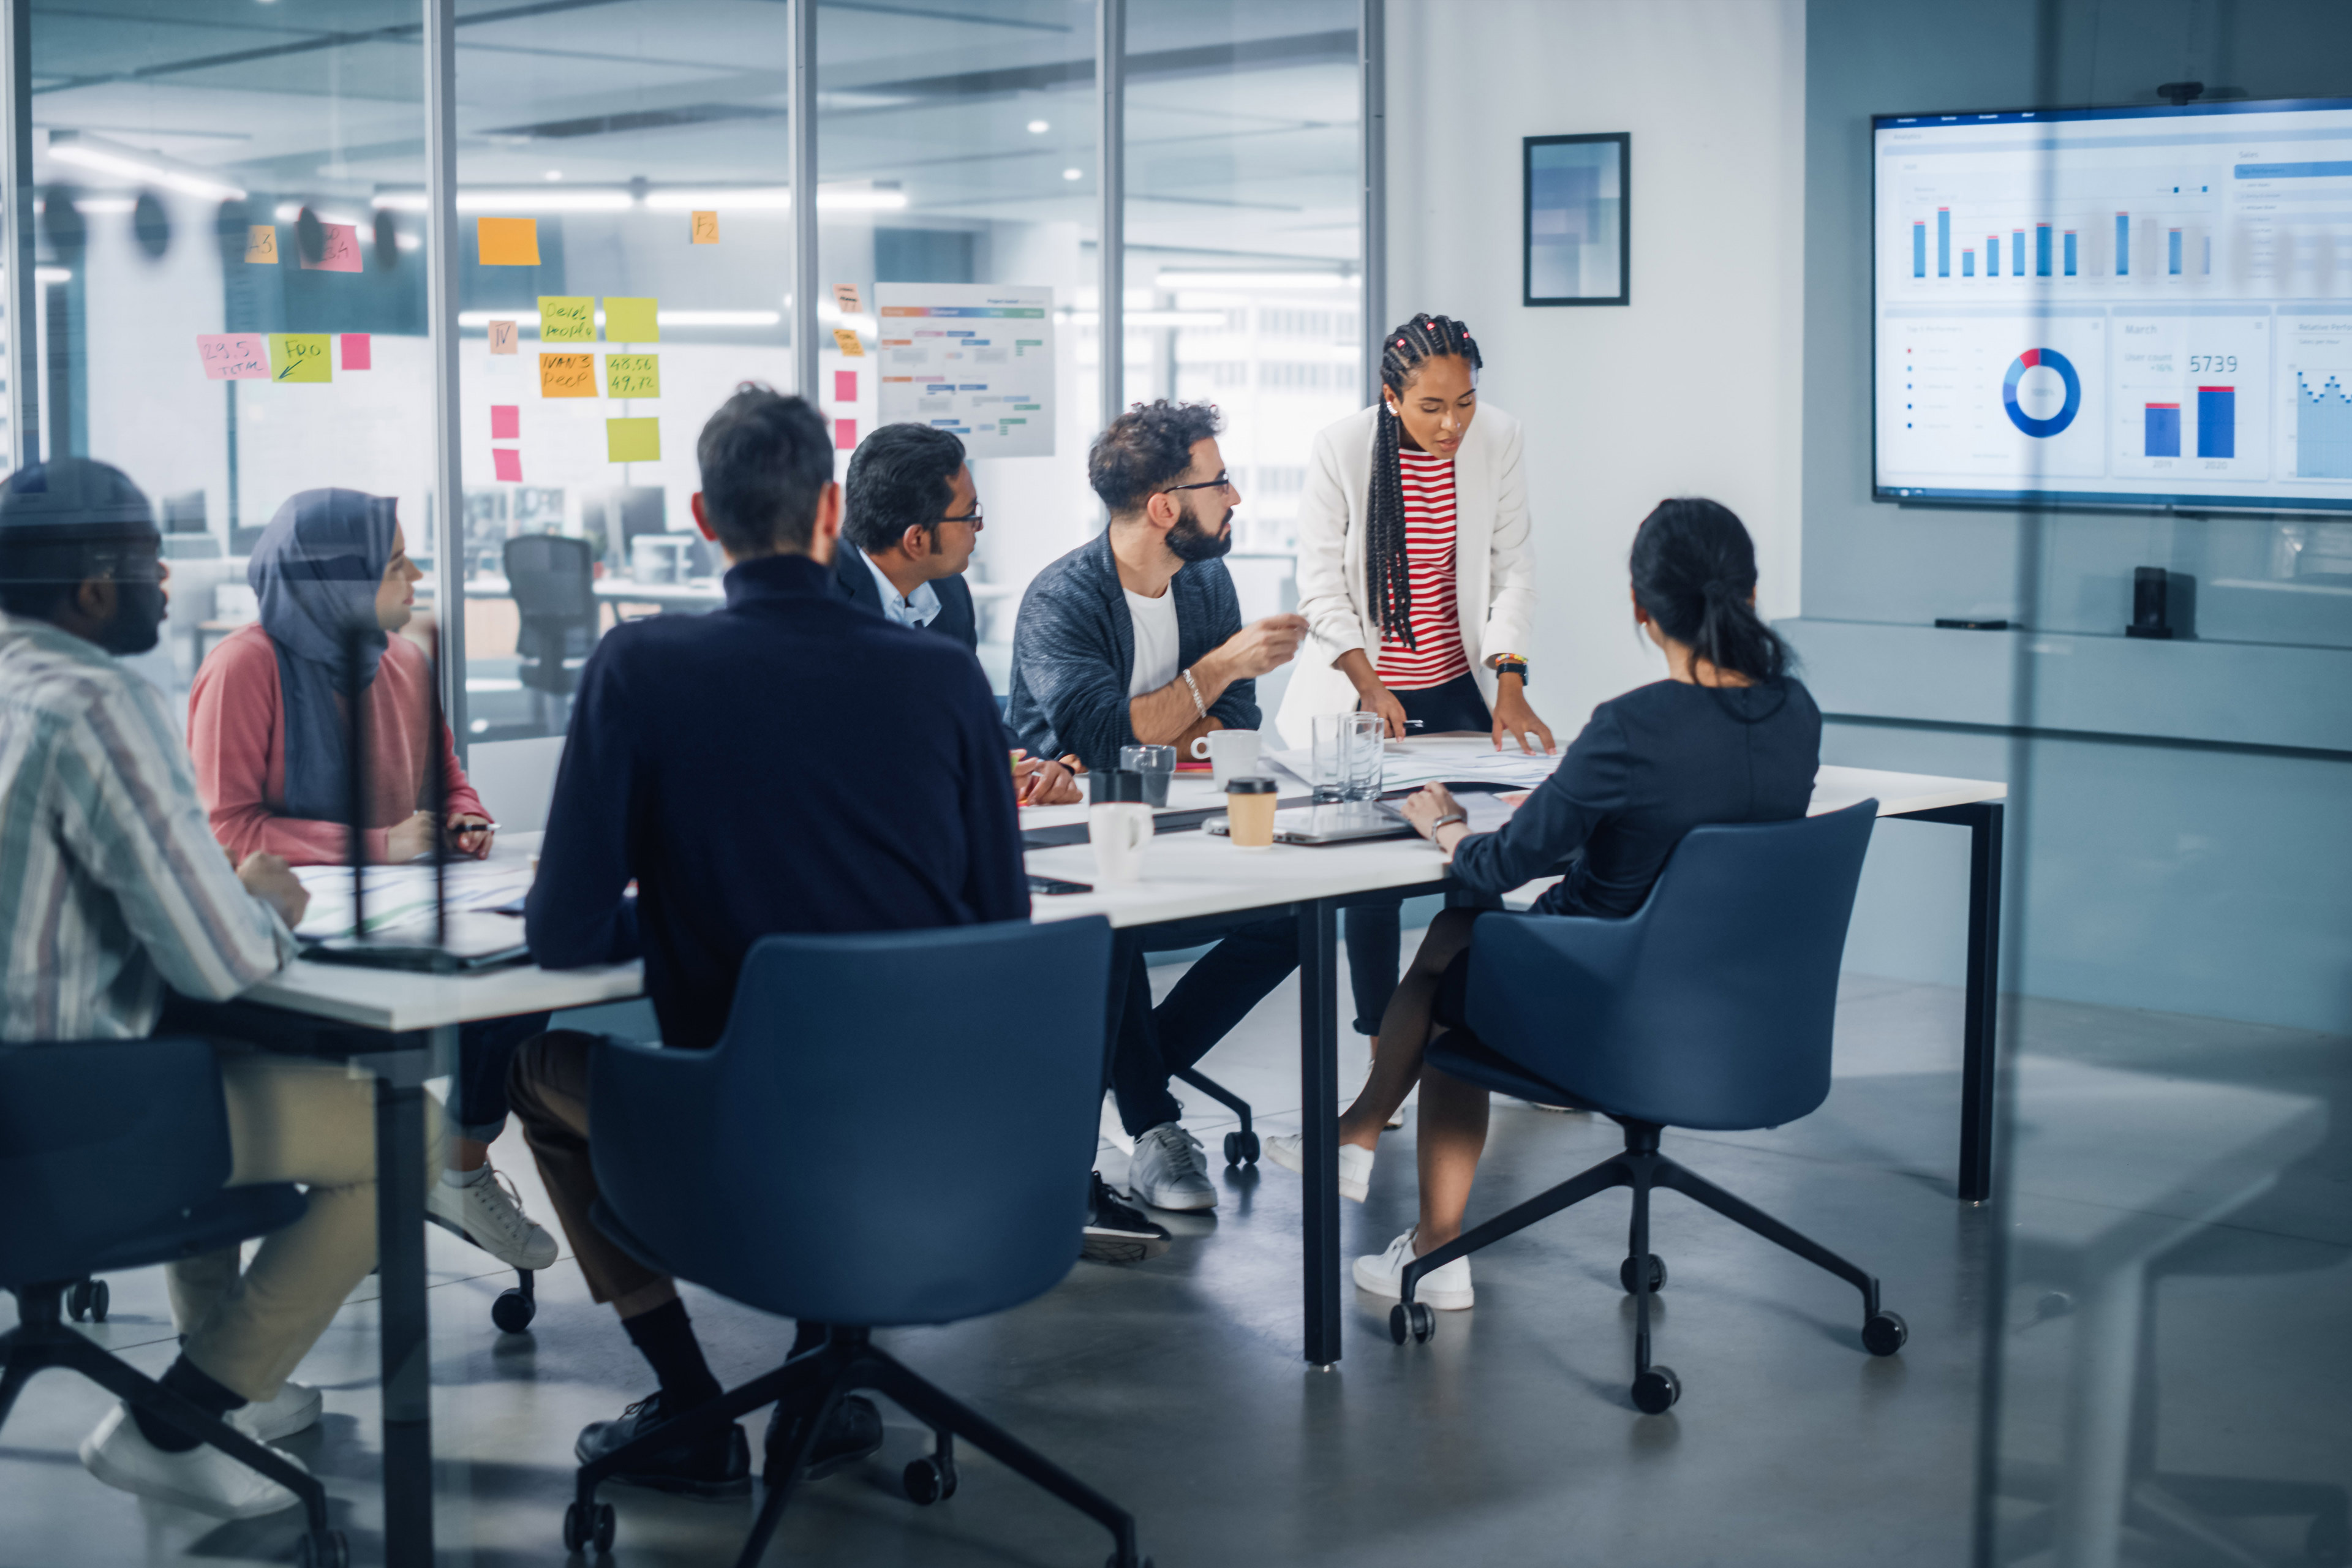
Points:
[(1036, 781), (1426, 807), (406, 840), (1514, 721)]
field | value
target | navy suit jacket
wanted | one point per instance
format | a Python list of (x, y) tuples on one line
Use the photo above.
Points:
[(713, 758), (955, 618)]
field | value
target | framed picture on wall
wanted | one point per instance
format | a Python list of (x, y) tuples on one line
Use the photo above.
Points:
[(1578, 231)]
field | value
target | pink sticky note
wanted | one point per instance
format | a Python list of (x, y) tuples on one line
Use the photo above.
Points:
[(234, 356), (844, 387), (341, 250), (509, 463), (356, 350), (845, 435), (506, 422)]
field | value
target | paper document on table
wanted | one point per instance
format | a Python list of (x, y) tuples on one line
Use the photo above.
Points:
[(403, 895), (1406, 764)]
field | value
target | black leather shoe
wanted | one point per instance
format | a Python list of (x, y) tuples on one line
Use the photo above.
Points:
[(854, 1432), (718, 1465)]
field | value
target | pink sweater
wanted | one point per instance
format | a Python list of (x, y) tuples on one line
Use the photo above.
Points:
[(236, 733)]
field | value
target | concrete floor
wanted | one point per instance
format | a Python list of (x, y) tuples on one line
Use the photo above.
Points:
[(1176, 1386)]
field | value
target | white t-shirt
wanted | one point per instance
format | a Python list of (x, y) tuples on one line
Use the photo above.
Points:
[(1156, 645)]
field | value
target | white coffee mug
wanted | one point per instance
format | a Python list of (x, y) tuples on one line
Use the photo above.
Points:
[(1231, 753), (1118, 831)]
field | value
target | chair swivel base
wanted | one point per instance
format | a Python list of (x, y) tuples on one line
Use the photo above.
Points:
[(1641, 1167), (1241, 1146), (41, 1340), (817, 1379)]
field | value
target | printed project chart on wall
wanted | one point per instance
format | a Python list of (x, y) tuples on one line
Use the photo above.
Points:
[(2127, 305), (972, 358)]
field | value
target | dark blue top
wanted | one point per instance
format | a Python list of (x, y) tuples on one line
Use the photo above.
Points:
[(955, 618), (791, 763), (1653, 764), (1073, 652)]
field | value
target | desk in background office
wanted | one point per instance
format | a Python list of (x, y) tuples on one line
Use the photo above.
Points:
[(1191, 874)]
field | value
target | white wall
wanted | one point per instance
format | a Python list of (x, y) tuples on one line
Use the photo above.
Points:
[(1693, 389)]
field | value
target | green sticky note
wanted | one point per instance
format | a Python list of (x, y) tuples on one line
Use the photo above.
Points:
[(567, 318), (631, 320), (633, 376), (300, 356), (632, 440)]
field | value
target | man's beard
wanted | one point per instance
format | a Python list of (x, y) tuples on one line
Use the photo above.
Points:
[(1190, 542), (139, 610)]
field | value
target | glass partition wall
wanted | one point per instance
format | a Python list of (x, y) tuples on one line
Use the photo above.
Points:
[(219, 184)]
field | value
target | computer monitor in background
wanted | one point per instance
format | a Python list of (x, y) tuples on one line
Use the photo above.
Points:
[(629, 510)]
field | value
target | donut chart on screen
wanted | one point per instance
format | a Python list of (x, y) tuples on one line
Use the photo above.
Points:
[(2049, 359)]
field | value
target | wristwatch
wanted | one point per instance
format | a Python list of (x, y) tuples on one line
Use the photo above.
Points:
[(1511, 664)]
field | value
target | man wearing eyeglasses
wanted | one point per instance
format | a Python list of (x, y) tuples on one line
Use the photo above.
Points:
[(1137, 636), (913, 520)]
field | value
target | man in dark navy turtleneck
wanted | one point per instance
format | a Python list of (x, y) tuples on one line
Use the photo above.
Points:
[(724, 762)]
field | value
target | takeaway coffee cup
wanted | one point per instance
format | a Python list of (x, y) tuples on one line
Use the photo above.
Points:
[(1249, 813), (1118, 825)]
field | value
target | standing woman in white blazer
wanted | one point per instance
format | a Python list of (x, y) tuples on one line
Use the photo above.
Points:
[(1416, 579)]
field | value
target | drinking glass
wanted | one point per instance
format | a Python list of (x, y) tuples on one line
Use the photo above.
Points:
[(1328, 758), (1363, 737), (1157, 764)]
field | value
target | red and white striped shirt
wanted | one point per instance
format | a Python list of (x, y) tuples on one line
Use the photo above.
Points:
[(1429, 566)]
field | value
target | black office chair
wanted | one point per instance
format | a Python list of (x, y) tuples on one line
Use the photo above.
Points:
[(830, 1115), (1711, 1007), (112, 1155), (553, 580)]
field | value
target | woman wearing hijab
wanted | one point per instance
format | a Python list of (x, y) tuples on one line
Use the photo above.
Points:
[(271, 741)]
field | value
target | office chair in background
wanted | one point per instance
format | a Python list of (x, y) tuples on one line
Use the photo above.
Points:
[(833, 1114), (1711, 1007), (553, 578), (139, 1182)]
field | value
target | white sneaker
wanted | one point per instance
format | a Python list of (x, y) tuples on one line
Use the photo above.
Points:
[(489, 1212), (1447, 1291), (1289, 1151), (202, 1479), (1166, 1171), (296, 1409)]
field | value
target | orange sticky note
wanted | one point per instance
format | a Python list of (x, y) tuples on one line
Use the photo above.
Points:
[(507, 241), (502, 337), (261, 243), (706, 228), (567, 375), (633, 440), (850, 347)]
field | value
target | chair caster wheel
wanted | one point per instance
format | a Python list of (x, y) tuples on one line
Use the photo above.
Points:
[(1656, 1390), (590, 1527), (87, 1300), (1241, 1149), (512, 1311), (1626, 1277), (1414, 1319), (1883, 1334), (930, 1479), (328, 1549)]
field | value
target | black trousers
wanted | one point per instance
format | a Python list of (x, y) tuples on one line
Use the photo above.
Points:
[(1149, 1044)]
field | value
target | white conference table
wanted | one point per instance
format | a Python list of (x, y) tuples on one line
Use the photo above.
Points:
[(387, 1020)]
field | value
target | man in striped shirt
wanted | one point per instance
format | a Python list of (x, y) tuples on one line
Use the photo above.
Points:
[(113, 888)]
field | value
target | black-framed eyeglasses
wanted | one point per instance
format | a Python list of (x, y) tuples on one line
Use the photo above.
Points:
[(973, 517), (1223, 481)]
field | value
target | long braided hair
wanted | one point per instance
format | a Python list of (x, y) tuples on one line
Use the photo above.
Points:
[(1387, 585)]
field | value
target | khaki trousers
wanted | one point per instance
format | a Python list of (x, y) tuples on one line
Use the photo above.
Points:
[(548, 1089), (289, 1120)]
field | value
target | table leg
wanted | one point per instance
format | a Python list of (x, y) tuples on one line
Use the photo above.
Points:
[(1981, 996), (405, 1333), (1318, 1085), (1976, 1060)]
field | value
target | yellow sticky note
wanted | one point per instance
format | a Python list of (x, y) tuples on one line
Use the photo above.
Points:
[(632, 440), (567, 318), (631, 320), (261, 242), (507, 241), (567, 375), (300, 356), (850, 347), (633, 376), (706, 228)]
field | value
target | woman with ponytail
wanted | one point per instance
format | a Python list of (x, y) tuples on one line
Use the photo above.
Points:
[(1728, 736), (1416, 579)]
